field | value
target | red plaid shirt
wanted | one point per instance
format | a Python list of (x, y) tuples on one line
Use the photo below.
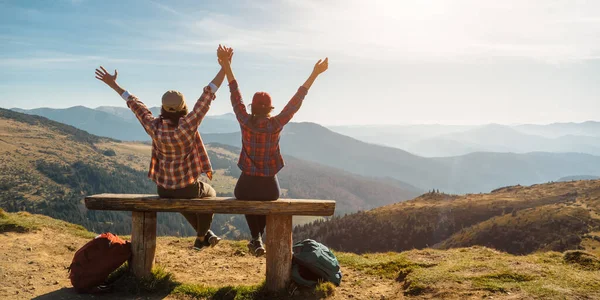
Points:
[(178, 154), (260, 154)]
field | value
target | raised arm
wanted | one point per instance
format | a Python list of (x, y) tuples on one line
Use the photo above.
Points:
[(140, 110), (225, 54), (294, 104), (193, 119)]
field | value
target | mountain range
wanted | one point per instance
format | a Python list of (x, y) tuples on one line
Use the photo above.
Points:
[(449, 140), (471, 173), (477, 171), (119, 122), (433, 140)]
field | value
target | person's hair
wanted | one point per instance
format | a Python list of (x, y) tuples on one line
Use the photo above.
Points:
[(261, 111), (173, 116)]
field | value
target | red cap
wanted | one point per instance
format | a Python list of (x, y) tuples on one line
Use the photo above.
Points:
[(262, 99)]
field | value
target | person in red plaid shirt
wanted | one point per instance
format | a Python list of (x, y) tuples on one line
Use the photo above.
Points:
[(260, 158), (178, 154)]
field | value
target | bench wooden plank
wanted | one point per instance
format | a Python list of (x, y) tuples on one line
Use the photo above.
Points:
[(220, 205)]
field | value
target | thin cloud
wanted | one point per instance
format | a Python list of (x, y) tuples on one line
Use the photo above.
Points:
[(167, 8), (71, 60)]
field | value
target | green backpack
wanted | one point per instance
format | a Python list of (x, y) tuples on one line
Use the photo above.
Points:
[(313, 261)]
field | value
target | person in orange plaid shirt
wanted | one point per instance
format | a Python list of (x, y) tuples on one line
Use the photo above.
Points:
[(178, 154), (260, 158)]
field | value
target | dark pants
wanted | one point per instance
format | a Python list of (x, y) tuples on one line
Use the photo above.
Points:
[(255, 188), (200, 222)]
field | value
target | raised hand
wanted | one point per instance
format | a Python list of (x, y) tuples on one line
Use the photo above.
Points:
[(106, 77), (321, 66), (224, 55)]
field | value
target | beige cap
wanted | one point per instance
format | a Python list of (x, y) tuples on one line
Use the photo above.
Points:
[(173, 101)]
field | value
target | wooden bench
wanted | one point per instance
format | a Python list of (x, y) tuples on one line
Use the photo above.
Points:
[(278, 232)]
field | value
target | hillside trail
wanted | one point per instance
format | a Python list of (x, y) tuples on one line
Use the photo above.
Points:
[(34, 266)]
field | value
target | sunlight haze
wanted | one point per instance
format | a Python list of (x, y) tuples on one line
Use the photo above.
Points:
[(391, 62)]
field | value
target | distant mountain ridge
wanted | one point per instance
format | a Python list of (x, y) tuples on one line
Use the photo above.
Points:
[(475, 172), (453, 140), (424, 140), (578, 177), (120, 122)]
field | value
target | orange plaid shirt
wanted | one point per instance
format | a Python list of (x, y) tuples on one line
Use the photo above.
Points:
[(178, 153)]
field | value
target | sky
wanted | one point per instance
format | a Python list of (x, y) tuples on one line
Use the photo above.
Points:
[(390, 62)]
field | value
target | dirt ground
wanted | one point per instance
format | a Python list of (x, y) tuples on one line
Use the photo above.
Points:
[(34, 266)]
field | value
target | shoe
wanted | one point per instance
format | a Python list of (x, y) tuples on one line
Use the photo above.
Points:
[(200, 245), (256, 247), (210, 240)]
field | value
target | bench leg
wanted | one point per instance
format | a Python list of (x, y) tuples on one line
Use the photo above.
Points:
[(279, 251), (143, 242)]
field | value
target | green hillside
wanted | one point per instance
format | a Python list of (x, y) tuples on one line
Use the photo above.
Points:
[(555, 227), (48, 168), (517, 219)]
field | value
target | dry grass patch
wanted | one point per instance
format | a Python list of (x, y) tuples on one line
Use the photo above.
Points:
[(464, 272), (26, 222)]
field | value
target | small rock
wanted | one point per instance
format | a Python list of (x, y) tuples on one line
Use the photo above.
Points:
[(29, 249), (17, 292), (43, 278), (30, 277), (56, 282), (32, 288), (31, 262)]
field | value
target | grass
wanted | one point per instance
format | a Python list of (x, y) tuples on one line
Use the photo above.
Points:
[(463, 272), (229, 292), (324, 290), (25, 222), (163, 283), (582, 260), (391, 265)]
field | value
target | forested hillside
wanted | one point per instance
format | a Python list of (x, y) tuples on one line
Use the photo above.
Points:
[(48, 168), (517, 219)]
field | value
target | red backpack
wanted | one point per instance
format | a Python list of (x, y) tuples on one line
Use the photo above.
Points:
[(96, 260)]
